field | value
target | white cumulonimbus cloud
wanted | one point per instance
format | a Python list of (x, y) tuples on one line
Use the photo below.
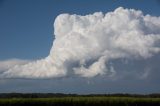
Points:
[(83, 45)]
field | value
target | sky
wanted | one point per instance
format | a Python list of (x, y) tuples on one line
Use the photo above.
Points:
[(27, 34)]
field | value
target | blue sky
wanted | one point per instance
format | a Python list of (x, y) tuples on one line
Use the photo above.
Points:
[(26, 32)]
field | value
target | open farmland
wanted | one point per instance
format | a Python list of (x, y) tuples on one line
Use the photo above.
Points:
[(81, 101)]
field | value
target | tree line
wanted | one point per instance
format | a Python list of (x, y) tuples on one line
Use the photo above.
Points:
[(50, 95)]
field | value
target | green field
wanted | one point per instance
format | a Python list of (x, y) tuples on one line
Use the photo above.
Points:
[(81, 101)]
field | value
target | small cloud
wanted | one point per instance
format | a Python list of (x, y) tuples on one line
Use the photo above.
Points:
[(7, 64)]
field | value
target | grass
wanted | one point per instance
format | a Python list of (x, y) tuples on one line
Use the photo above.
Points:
[(81, 101)]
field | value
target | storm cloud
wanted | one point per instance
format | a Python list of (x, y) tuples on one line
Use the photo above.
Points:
[(84, 45)]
